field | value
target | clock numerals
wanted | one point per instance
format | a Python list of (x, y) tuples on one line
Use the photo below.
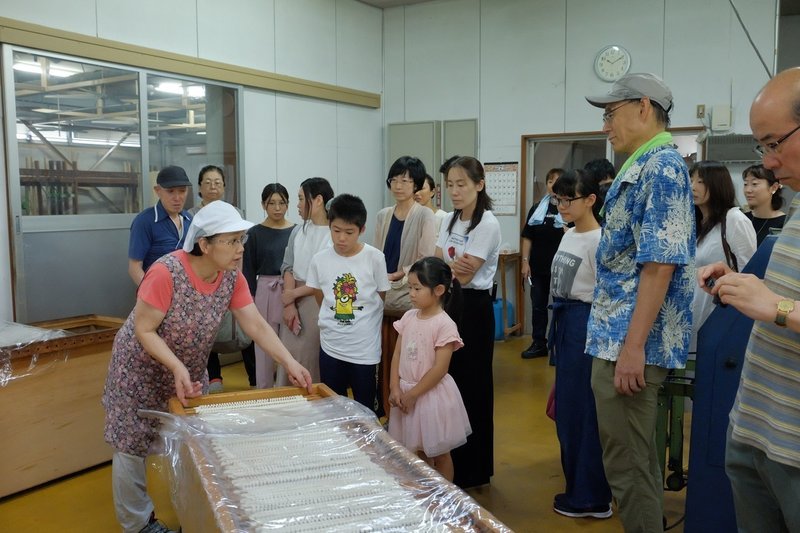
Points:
[(612, 63)]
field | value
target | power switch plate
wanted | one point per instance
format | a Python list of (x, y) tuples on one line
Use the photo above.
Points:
[(701, 111)]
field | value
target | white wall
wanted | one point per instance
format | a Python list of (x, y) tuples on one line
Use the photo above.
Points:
[(524, 66), (532, 61), (285, 138)]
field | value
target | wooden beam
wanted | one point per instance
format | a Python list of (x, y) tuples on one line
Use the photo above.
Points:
[(85, 46)]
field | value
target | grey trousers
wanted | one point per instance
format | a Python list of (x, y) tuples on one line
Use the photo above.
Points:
[(627, 426), (129, 485), (765, 492)]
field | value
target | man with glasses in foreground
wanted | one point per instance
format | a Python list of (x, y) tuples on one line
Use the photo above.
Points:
[(762, 456), (640, 322)]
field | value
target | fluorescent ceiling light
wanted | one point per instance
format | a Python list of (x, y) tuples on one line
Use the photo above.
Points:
[(170, 87), (60, 73), (196, 91), (201, 133), (33, 68), (45, 110)]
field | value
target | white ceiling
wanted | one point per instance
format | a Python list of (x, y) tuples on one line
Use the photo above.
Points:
[(788, 7), (383, 4)]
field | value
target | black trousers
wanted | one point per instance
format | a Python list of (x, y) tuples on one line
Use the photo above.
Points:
[(471, 368), (213, 367), (540, 294)]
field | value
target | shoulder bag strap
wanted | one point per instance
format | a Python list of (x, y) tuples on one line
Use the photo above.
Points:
[(730, 258)]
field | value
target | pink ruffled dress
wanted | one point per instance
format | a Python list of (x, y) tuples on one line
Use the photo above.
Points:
[(438, 422)]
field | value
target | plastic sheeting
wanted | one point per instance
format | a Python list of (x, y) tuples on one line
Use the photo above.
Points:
[(21, 348), (298, 465)]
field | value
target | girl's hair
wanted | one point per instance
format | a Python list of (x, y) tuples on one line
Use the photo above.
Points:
[(759, 172), (408, 165), (721, 194), (313, 187), (432, 271), (553, 172), (204, 170), (430, 182), (474, 170), (600, 169), (577, 182), (275, 188), (444, 166)]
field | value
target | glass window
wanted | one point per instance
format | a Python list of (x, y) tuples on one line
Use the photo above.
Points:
[(78, 136), (192, 124)]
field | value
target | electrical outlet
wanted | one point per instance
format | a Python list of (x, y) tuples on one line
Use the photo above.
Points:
[(701, 111)]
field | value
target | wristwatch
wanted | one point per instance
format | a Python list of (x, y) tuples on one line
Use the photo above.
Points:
[(785, 307)]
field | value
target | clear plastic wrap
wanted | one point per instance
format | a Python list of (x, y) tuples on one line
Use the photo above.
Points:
[(21, 348), (297, 465), (51, 380)]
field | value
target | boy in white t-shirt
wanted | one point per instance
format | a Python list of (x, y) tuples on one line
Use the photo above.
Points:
[(349, 282)]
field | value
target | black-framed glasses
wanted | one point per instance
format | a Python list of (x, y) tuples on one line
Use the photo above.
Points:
[(771, 148), (564, 202), (232, 242), (608, 115)]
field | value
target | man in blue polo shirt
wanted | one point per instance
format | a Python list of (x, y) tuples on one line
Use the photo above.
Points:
[(160, 229)]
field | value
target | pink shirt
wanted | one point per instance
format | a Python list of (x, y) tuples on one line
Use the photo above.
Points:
[(156, 287)]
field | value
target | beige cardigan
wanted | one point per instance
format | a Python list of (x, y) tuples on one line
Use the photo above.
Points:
[(418, 239)]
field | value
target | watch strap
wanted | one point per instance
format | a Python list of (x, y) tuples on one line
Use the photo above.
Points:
[(785, 307)]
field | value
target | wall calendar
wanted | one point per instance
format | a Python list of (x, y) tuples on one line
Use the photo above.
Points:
[(502, 186)]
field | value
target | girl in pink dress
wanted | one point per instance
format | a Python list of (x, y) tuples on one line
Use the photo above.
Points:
[(428, 415)]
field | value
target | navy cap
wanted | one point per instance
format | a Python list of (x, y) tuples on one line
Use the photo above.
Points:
[(172, 176)]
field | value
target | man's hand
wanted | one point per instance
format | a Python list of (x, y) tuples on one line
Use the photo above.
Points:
[(748, 295), (629, 372), (713, 271)]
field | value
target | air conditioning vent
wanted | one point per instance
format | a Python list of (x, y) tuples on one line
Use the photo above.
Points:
[(731, 148)]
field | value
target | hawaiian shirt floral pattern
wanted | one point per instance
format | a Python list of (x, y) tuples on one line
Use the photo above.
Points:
[(649, 217)]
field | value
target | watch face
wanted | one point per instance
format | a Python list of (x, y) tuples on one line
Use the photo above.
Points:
[(611, 63), (786, 306)]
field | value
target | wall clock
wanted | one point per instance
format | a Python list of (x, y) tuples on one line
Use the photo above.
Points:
[(612, 62)]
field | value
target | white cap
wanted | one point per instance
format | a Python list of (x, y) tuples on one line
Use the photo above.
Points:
[(217, 217)]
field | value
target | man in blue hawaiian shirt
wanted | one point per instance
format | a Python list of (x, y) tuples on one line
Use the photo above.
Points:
[(641, 319)]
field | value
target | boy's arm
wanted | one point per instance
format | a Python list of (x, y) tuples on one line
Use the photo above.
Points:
[(318, 296)]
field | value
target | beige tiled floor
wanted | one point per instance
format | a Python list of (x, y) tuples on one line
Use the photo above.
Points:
[(527, 467)]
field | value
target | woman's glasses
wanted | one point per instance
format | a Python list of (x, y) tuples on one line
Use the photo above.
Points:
[(400, 181), (232, 242), (563, 202)]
